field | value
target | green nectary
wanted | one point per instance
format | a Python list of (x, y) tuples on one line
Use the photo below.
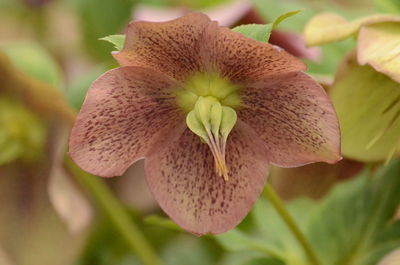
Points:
[(208, 85)]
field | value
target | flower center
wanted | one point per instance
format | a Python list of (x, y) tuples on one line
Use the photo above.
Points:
[(207, 85), (209, 101)]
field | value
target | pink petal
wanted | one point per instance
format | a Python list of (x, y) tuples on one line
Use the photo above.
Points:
[(294, 117), (237, 10), (242, 59), (181, 175), (125, 111), (171, 47), (145, 12)]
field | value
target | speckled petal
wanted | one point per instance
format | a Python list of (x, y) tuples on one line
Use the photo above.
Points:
[(242, 59), (182, 178), (126, 109), (295, 118), (171, 47)]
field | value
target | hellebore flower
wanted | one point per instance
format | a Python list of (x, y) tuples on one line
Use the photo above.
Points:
[(208, 109)]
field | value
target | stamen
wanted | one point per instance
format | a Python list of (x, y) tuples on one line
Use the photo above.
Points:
[(213, 123)]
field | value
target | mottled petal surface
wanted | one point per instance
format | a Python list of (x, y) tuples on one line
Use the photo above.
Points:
[(126, 109), (242, 59), (171, 47), (294, 117), (181, 175)]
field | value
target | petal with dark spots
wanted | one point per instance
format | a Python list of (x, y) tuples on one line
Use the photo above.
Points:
[(171, 47), (126, 109), (294, 117), (241, 59), (181, 175)]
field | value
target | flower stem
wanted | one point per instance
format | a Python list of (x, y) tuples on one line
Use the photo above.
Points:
[(117, 214), (279, 206)]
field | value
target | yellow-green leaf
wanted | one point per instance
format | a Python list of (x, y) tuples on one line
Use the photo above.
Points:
[(262, 32), (117, 40)]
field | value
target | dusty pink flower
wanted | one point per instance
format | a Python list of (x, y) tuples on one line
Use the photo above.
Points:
[(191, 69)]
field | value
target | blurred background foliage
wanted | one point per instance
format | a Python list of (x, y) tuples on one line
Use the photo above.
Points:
[(50, 53)]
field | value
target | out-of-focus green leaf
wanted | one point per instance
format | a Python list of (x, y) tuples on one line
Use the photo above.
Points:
[(356, 219), (272, 238), (174, 247), (162, 222), (236, 240), (264, 261), (352, 225), (389, 6), (332, 54), (379, 46), (33, 60), (271, 9), (247, 258), (186, 249), (117, 40), (22, 134), (102, 19), (368, 107), (76, 92), (262, 32)]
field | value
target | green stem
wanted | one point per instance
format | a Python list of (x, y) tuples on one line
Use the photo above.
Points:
[(282, 211), (117, 214)]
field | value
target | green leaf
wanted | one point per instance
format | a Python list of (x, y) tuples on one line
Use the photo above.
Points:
[(117, 40), (174, 247), (270, 10), (389, 6), (186, 249), (33, 60), (247, 258), (264, 261), (262, 32), (236, 240), (356, 218), (99, 20), (351, 225), (332, 55), (162, 222), (259, 32), (368, 106)]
